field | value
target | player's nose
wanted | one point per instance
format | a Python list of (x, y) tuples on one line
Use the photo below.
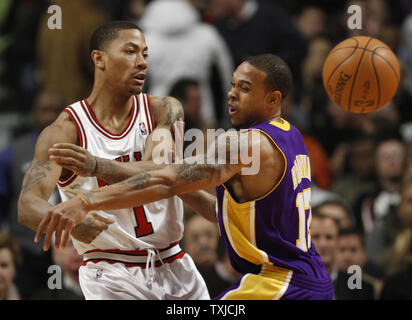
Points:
[(141, 63), (231, 94)]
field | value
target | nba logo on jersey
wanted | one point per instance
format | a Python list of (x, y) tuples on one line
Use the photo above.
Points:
[(142, 128), (99, 273)]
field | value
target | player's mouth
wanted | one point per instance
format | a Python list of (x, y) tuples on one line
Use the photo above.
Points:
[(232, 110), (139, 78)]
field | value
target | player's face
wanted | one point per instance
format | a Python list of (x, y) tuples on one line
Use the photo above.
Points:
[(125, 61), (247, 96)]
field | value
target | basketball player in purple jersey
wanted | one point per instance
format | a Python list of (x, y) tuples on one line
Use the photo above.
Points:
[(264, 218)]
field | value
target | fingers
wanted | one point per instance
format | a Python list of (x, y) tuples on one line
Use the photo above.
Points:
[(67, 231), (66, 161), (59, 232), (42, 227), (71, 146), (49, 234)]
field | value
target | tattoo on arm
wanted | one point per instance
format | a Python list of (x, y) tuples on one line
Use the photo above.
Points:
[(172, 115), (105, 169), (196, 172), (35, 174), (138, 182)]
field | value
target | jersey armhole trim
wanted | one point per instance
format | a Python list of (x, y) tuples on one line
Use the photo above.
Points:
[(64, 182), (274, 187)]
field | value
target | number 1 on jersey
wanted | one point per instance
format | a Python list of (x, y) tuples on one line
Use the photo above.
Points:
[(143, 227), (303, 203)]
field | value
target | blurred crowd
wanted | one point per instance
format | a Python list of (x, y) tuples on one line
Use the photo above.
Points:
[(361, 164)]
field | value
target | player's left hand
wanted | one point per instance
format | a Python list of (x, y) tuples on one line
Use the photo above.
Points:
[(63, 217)]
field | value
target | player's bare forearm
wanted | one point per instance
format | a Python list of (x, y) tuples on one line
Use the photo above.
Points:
[(151, 186), (112, 171), (32, 206), (202, 202)]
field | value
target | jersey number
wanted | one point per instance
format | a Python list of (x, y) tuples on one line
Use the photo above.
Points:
[(303, 203), (143, 227)]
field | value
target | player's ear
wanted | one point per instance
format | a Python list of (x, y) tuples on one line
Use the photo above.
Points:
[(274, 98), (97, 57)]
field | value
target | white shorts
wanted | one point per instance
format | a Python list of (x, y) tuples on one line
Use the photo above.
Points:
[(154, 275)]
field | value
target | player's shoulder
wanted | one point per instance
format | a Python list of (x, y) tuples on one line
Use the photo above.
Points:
[(61, 130), (165, 108)]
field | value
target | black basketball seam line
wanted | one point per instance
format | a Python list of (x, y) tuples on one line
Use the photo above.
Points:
[(369, 50), (377, 79), (356, 73), (344, 60), (389, 64)]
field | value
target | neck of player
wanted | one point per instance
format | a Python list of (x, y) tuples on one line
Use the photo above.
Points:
[(110, 107)]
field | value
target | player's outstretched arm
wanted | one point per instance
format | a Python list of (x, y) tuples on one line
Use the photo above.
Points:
[(193, 174), (168, 114)]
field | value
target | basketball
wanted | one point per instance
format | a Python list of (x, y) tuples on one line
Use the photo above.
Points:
[(361, 74)]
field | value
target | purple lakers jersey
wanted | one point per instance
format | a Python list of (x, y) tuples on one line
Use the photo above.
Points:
[(273, 232)]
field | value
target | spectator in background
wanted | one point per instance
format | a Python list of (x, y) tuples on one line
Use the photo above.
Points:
[(14, 161), (63, 57), (311, 21), (201, 238), (69, 261), (393, 233), (357, 176), (188, 92), (338, 209), (325, 236), (181, 46), (320, 165), (324, 232), (221, 275), (253, 27), (373, 207), (201, 241), (398, 286), (352, 253), (10, 259)]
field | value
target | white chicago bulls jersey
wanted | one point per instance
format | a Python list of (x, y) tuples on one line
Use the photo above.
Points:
[(155, 225)]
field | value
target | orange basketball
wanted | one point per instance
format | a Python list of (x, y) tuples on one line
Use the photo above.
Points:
[(361, 74)]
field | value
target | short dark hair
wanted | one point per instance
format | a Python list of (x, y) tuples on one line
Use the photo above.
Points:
[(178, 90), (278, 74), (108, 32), (336, 202), (353, 231)]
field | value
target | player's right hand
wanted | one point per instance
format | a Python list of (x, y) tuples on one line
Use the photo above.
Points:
[(90, 227), (74, 158)]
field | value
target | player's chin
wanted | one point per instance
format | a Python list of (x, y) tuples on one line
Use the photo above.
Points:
[(135, 89), (237, 123)]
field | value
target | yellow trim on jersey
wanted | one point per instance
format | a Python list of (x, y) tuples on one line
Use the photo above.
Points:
[(239, 224), (270, 284), (284, 125), (280, 180)]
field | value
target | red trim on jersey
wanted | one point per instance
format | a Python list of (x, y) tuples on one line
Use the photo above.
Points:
[(151, 112), (93, 120), (142, 264), (79, 126), (145, 107), (65, 182)]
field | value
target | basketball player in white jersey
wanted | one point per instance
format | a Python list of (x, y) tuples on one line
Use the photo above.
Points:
[(135, 254)]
